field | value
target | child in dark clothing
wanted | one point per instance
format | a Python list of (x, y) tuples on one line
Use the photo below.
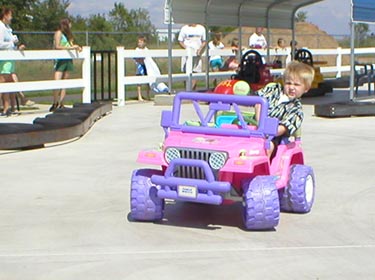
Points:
[(141, 67)]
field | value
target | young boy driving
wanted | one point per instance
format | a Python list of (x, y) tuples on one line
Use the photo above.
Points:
[(285, 105)]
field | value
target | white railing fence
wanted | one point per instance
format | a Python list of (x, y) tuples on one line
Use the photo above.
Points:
[(123, 54), (84, 82)]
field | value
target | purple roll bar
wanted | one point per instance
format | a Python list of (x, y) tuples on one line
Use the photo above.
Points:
[(267, 127)]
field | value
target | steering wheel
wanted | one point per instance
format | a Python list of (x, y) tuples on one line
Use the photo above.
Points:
[(252, 56), (305, 56)]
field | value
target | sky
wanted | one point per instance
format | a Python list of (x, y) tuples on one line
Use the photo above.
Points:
[(332, 16)]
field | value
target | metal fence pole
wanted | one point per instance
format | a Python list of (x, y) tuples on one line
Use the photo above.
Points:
[(87, 38)]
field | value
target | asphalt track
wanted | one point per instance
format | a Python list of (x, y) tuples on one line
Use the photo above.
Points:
[(64, 211)]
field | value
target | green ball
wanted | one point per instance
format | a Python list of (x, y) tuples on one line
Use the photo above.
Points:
[(241, 88)]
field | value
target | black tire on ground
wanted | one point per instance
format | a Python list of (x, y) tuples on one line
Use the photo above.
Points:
[(79, 116), (14, 128), (57, 122), (343, 82), (340, 110), (314, 92)]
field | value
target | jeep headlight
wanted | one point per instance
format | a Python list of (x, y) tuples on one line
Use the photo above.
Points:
[(171, 154), (217, 160)]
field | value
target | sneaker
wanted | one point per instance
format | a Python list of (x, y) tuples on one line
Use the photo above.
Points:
[(29, 103), (14, 112), (7, 114), (53, 107)]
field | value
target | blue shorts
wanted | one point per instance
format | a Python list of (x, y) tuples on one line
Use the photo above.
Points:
[(141, 69), (216, 63)]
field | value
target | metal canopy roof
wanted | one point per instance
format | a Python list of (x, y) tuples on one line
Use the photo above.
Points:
[(363, 11), (265, 13)]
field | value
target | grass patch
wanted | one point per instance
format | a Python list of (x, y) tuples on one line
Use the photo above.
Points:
[(43, 70)]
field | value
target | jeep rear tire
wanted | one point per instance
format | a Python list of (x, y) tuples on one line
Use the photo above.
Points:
[(298, 196)]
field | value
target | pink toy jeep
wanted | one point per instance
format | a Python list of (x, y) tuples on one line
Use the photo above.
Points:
[(209, 160)]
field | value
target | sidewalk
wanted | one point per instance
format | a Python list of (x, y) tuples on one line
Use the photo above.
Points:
[(64, 211)]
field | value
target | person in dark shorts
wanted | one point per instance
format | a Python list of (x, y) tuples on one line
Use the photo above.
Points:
[(141, 68), (63, 40)]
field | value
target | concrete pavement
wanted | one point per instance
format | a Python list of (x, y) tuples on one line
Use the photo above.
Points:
[(64, 211)]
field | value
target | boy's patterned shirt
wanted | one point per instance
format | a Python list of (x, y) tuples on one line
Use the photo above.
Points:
[(289, 112)]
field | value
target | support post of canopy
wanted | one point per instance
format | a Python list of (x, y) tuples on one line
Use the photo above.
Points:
[(169, 21), (207, 40), (352, 54)]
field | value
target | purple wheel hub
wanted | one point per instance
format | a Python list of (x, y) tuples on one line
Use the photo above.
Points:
[(261, 203), (298, 196), (144, 202)]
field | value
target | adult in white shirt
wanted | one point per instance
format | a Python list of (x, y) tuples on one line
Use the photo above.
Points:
[(8, 41), (193, 36), (257, 39)]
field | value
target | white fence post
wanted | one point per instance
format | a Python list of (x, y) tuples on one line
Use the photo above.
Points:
[(189, 68), (120, 76), (86, 75), (339, 62)]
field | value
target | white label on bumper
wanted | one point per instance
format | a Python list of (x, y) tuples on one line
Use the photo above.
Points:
[(187, 191)]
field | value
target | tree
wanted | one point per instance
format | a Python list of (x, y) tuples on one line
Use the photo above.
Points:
[(23, 13), (99, 22), (141, 21), (120, 18), (361, 31), (101, 40), (47, 14), (79, 23), (301, 16), (134, 21)]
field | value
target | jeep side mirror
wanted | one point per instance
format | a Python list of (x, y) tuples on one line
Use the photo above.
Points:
[(166, 122), (271, 126), (166, 119)]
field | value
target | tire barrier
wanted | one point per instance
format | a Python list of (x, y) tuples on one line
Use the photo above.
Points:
[(64, 124), (348, 109)]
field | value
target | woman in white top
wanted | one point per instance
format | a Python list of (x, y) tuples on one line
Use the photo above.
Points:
[(8, 41)]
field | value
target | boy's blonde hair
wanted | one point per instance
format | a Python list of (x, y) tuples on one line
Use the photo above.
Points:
[(302, 71)]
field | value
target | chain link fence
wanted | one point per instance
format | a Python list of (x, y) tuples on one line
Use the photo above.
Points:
[(110, 40)]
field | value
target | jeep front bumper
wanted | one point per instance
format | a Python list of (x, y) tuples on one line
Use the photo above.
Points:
[(206, 190)]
